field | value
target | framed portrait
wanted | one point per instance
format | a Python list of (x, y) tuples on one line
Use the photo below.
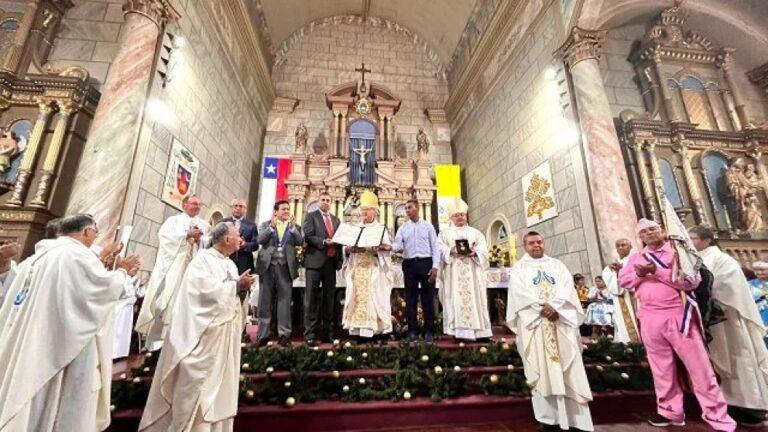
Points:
[(181, 176)]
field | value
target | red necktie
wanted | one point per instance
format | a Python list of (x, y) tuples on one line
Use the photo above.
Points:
[(330, 250)]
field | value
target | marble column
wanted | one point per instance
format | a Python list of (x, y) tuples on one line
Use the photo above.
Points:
[(611, 196), (335, 151), (343, 145), (52, 156), (104, 172), (30, 155)]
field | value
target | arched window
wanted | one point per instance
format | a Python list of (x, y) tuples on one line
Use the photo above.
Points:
[(9, 25), (670, 183), (695, 101), (714, 167)]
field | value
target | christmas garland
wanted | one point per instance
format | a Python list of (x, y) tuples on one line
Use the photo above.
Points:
[(354, 373)]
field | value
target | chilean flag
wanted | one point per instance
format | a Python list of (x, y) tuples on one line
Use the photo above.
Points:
[(274, 172)]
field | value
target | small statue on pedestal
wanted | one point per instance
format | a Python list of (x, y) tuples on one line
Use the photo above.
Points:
[(300, 146), (422, 145)]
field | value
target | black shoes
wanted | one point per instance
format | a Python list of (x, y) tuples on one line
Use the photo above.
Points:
[(659, 420)]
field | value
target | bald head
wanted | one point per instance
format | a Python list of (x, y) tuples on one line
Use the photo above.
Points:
[(239, 207), (623, 247)]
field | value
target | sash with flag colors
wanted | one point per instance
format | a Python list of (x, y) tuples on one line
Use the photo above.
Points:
[(273, 174)]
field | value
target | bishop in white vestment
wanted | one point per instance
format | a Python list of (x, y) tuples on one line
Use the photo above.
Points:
[(544, 311), (55, 343), (180, 237), (737, 351), (463, 291), (625, 327), (368, 275), (196, 382)]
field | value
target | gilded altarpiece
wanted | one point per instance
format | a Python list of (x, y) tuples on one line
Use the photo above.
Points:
[(696, 144), (45, 114), (362, 130)]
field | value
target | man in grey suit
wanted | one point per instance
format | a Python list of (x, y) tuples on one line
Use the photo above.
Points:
[(322, 259), (277, 268)]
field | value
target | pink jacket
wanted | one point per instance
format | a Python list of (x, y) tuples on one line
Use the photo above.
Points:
[(657, 291)]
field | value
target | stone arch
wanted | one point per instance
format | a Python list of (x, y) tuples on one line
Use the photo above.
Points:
[(430, 54)]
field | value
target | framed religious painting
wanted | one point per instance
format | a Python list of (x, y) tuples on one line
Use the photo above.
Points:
[(181, 175), (539, 195)]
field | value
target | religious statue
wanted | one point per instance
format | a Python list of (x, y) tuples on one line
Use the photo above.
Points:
[(300, 135), (422, 145), (744, 183), (9, 147)]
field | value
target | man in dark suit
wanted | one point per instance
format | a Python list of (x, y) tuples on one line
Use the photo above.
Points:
[(322, 259), (277, 268), (243, 258)]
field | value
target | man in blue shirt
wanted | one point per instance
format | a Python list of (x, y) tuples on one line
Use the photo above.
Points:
[(417, 240)]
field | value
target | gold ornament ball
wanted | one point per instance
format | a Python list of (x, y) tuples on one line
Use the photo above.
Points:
[(330, 354), (361, 381), (615, 364), (242, 377), (438, 370), (599, 368), (148, 355), (350, 359), (112, 407), (335, 374), (457, 368), (347, 345), (270, 343), (146, 369), (287, 384), (290, 402), (629, 351), (246, 366), (136, 380), (315, 348), (494, 379), (462, 344), (242, 345), (407, 395), (249, 394), (270, 369), (505, 346), (365, 355), (608, 358), (345, 388), (625, 376), (123, 376), (510, 367), (483, 350), (425, 358), (336, 342)]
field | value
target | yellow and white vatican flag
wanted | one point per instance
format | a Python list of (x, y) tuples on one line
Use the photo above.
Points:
[(448, 179)]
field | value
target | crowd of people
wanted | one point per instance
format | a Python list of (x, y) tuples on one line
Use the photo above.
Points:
[(194, 307)]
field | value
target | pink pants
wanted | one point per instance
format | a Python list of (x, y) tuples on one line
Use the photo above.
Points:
[(662, 338)]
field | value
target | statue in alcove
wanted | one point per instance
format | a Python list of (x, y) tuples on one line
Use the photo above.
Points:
[(744, 184), (9, 147), (422, 145), (301, 136)]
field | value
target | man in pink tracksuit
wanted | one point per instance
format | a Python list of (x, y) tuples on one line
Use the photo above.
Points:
[(665, 333)]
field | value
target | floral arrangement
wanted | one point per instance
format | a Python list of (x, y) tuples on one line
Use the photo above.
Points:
[(498, 257)]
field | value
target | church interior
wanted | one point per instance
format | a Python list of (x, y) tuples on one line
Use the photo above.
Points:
[(570, 118)]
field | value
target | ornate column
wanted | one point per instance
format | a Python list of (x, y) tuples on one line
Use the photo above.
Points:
[(30, 155), (382, 137), (649, 196), (681, 147), (612, 198), (658, 183), (66, 109), (335, 151), (669, 104), (343, 142), (390, 132), (391, 217), (105, 167), (725, 61)]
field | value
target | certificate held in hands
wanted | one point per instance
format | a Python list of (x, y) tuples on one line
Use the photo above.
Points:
[(364, 237)]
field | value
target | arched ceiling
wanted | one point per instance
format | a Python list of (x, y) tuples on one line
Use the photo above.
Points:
[(440, 23)]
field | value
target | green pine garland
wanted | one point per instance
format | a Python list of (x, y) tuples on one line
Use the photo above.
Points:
[(352, 373)]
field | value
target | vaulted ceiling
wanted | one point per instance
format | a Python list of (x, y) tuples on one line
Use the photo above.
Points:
[(439, 22)]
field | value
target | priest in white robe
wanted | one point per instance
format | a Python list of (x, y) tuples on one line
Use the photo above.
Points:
[(463, 292), (8, 252), (368, 275), (196, 382), (180, 237), (625, 328), (55, 344), (544, 311), (123, 328), (737, 350)]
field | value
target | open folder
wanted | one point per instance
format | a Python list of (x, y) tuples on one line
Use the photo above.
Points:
[(360, 236)]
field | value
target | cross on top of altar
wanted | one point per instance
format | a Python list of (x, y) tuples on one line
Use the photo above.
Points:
[(362, 69)]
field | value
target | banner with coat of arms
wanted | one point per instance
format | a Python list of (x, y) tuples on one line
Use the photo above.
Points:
[(181, 176), (539, 195)]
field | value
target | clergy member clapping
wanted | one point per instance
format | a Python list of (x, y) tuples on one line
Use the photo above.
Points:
[(196, 382), (55, 349), (545, 313), (464, 256), (180, 237)]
